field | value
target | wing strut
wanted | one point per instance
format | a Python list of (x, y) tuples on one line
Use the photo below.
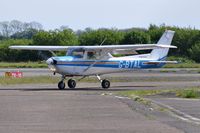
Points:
[(53, 53), (103, 42)]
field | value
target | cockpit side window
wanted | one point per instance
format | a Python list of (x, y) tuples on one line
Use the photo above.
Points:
[(91, 55), (76, 53)]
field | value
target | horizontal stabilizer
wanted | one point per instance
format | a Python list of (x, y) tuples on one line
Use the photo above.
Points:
[(161, 62)]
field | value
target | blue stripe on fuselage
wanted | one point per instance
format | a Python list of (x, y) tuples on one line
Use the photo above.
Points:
[(123, 64)]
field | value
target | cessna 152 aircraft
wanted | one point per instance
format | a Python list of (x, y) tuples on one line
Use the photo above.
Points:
[(98, 60)]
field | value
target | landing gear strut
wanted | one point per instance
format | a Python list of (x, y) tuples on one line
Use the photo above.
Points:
[(104, 83)]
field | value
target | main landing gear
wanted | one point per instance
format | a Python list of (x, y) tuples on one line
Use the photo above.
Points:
[(72, 83), (105, 84)]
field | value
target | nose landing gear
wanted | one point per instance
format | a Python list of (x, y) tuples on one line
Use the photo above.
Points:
[(61, 85)]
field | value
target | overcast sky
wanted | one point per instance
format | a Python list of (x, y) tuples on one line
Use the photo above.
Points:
[(79, 14)]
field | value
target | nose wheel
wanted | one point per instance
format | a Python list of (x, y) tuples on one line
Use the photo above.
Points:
[(61, 85)]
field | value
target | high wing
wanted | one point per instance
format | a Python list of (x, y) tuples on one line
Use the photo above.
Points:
[(44, 48), (105, 47)]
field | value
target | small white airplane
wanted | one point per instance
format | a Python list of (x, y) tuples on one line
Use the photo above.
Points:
[(98, 60)]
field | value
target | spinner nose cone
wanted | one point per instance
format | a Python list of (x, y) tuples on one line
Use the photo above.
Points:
[(51, 61)]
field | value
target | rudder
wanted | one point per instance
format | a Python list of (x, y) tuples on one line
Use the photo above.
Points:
[(166, 39)]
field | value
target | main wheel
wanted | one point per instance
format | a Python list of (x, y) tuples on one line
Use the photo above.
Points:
[(71, 83), (61, 85), (105, 84)]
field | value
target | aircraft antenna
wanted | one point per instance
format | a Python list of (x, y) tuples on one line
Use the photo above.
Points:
[(103, 41)]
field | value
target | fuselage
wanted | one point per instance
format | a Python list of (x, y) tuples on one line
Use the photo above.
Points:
[(69, 65)]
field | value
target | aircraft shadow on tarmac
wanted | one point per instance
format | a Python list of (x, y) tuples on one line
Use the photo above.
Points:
[(113, 88)]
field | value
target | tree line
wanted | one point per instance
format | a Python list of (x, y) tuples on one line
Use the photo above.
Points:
[(18, 33)]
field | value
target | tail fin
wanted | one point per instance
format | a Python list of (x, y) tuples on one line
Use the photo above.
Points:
[(166, 39)]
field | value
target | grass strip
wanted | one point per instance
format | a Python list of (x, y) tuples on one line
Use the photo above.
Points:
[(183, 65), (188, 93), (28, 80), (182, 93), (23, 65)]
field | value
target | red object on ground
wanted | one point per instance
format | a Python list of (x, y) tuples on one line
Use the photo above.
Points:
[(14, 74)]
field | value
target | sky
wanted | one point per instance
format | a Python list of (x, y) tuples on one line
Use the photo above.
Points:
[(80, 14)]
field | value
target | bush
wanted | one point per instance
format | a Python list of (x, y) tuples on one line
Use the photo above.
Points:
[(195, 52), (188, 94), (7, 54), (135, 37), (96, 37)]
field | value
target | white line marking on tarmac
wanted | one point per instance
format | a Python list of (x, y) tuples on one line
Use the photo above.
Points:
[(178, 113), (120, 97)]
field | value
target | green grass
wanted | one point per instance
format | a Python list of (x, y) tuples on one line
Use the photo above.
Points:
[(23, 65), (139, 92), (190, 93), (28, 80), (183, 65), (38, 80), (183, 93), (55, 79)]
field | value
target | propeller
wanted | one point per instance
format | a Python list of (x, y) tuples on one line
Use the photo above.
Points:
[(43, 55), (47, 58)]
